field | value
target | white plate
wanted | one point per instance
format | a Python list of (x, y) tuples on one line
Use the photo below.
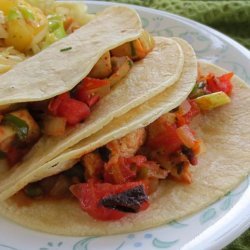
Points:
[(211, 228)]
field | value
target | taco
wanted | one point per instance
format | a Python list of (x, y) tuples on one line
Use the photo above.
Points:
[(135, 170), (136, 118), (72, 89)]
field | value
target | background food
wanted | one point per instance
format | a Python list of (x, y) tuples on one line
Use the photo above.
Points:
[(28, 26)]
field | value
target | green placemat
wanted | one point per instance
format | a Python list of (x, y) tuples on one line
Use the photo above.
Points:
[(229, 17)]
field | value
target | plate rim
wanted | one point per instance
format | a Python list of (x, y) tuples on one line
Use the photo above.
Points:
[(237, 228)]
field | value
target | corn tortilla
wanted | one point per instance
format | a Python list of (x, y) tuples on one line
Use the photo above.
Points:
[(160, 69), (224, 165)]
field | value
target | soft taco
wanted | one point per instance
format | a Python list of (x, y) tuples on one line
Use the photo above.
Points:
[(136, 118), (76, 86), (137, 172)]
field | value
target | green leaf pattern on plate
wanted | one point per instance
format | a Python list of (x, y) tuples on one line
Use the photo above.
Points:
[(209, 214), (163, 244), (177, 224), (83, 244), (227, 202)]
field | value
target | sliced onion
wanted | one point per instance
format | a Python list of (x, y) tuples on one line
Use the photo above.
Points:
[(186, 136)]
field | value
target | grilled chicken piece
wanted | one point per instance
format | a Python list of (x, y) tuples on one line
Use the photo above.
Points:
[(128, 145), (93, 164)]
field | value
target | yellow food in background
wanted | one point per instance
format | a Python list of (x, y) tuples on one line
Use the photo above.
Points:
[(29, 26), (23, 23), (6, 5)]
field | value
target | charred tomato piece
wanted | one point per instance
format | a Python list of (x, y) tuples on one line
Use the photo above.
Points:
[(129, 201)]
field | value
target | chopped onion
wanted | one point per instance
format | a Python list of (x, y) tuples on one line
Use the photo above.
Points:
[(184, 107), (186, 136)]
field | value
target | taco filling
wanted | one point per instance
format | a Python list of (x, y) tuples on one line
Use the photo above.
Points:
[(21, 125), (118, 178)]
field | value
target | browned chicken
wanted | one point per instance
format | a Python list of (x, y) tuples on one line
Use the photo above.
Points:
[(128, 145)]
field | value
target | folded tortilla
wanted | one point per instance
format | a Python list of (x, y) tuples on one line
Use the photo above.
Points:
[(52, 72), (222, 167), (79, 222)]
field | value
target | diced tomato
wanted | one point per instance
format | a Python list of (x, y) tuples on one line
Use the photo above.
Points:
[(90, 195), (73, 110), (221, 83), (89, 99), (91, 89), (89, 83), (167, 140), (56, 102)]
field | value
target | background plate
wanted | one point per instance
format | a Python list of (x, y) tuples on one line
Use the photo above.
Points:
[(211, 228)]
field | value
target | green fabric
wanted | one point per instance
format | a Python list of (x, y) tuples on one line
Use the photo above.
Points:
[(229, 17)]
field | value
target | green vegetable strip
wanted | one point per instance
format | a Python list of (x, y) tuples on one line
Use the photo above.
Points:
[(198, 90), (27, 13), (14, 15), (18, 124), (56, 26), (66, 49)]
